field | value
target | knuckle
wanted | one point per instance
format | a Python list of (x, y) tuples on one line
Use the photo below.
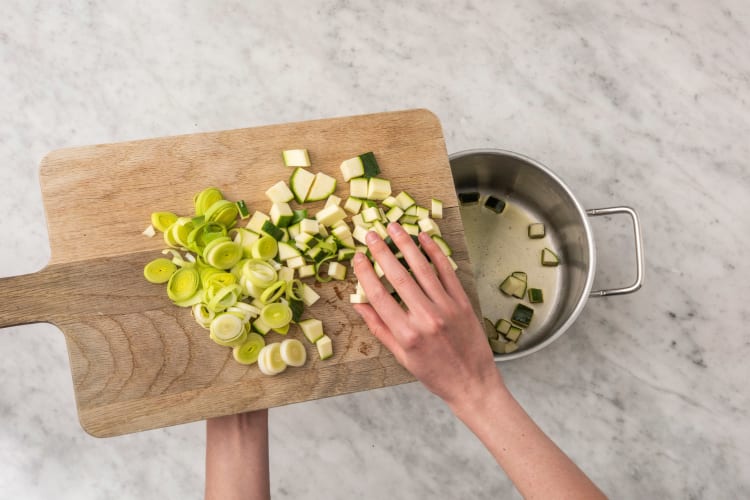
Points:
[(411, 340), (400, 279)]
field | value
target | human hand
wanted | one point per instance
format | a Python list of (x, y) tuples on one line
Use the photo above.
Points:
[(438, 338)]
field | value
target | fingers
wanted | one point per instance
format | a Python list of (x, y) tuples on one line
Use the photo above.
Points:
[(419, 265), (378, 328), (376, 293), (445, 271), (397, 275)]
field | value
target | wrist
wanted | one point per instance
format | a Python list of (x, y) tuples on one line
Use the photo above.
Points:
[(488, 395)]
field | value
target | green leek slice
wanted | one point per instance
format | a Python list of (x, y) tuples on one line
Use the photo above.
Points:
[(265, 248), (205, 199), (276, 315), (159, 270), (222, 255), (294, 290), (224, 212), (203, 234), (162, 220), (260, 273), (183, 284), (221, 298), (248, 352), (293, 352), (273, 292)]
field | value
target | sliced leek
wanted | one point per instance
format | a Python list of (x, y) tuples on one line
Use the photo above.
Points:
[(159, 270), (276, 315), (162, 220), (293, 352), (248, 352), (183, 284)]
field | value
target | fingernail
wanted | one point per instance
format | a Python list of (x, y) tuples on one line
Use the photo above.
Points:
[(359, 258), (372, 237), (395, 228)]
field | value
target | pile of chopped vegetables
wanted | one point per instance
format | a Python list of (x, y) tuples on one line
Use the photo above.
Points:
[(245, 280)]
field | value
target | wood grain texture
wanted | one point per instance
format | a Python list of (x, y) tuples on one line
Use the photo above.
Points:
[(138, 362)]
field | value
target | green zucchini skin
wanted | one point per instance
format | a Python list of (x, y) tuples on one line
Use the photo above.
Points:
[(522, 315), (495, 204), (468, 198)]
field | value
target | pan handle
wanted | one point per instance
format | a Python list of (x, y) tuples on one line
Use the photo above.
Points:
[(638, 250)]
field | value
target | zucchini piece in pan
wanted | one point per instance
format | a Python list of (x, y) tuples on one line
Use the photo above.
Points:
[(468, 198), (549, 258), (536, 230), (495, 204), (514, 286), (522, 315), (535, 295)]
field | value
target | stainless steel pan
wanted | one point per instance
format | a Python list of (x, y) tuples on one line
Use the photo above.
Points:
[(498, 244)]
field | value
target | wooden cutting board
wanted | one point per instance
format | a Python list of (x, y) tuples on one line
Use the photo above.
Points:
[(138, 362)]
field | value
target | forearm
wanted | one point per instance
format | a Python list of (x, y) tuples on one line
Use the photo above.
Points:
[(537, 467), (237, 457)]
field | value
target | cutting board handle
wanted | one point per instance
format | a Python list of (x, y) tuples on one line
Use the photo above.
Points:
[(28, 298)]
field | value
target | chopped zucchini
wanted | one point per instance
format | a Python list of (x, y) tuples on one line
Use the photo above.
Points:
[(333, 200), (428, 226), (437, 209), (330, 215), (352, 168), (346, 254), (272, 230), (536, 295), (513, 286), (514, 333), (370, 214), (520, 275), (353, 205), (309, 226), (279, 193), (497, 346), (299, 215), (378, 189), (389, 202), (404, 200), (255, 224), (549, 258), (503, 326), (242, 207), (495, 204), (489, 329), (325, 347), (393, 214), (281, 214), (296, 158), (312, 329), (371, 167), (287, 251), (536, 230), (323, 187), (412, 229), (358, 187), (300, 182), (442, 244), (468, 198), (306, 271), (522, 315)]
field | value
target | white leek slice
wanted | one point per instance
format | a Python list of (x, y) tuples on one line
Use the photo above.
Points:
[(293, 352)]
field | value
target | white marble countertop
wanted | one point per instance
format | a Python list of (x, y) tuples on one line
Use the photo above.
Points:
[(638, 103)]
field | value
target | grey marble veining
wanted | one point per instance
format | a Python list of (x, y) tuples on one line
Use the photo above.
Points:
[(638, 103)]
